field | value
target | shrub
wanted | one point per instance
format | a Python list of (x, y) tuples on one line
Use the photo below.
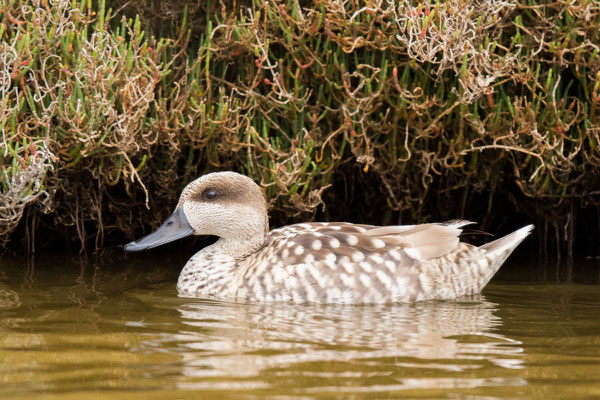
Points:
[(429, 101)]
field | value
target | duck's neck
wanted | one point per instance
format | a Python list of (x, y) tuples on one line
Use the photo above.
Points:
[(215, 270), (237, 249)]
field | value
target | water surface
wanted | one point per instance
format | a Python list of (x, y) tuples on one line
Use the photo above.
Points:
[(115, 328)]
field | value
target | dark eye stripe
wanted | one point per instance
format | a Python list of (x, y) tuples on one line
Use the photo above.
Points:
[(210, 194)]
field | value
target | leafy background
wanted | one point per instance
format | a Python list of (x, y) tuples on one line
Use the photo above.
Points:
[(368, 111)]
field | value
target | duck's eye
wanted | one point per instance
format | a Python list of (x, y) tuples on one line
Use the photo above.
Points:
[(210, 194)]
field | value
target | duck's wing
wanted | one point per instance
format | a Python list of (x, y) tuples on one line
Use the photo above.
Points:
[(422, 242), (418, 242), (348, 263)]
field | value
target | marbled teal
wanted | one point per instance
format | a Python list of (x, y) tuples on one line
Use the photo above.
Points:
[(318, 262)]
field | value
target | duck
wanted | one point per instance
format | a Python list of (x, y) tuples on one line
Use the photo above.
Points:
[(318, 262)]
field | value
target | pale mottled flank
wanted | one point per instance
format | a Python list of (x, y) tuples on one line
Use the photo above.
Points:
[(325, 262)]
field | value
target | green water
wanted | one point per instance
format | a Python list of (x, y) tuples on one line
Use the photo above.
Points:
[(116, 329)]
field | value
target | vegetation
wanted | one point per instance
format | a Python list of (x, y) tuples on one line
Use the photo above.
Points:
[(427, 109)]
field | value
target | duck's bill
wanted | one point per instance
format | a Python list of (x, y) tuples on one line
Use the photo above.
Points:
[(175, 227)]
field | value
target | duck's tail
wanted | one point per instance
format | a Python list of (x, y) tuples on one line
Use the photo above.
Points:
[(497, 252)]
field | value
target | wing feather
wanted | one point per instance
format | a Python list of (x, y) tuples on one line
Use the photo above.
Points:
[(422, 242)]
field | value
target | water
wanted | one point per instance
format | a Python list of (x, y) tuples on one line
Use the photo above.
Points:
[(116, 329)]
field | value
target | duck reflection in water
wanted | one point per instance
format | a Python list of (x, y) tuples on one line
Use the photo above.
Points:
[(230, 340)]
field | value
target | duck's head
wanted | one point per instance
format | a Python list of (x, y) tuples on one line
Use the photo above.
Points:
[(224, 204)]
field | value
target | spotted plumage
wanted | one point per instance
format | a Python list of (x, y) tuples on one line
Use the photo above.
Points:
[(319, 262)]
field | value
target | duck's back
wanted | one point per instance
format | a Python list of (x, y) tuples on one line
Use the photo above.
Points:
[(348, 263)]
